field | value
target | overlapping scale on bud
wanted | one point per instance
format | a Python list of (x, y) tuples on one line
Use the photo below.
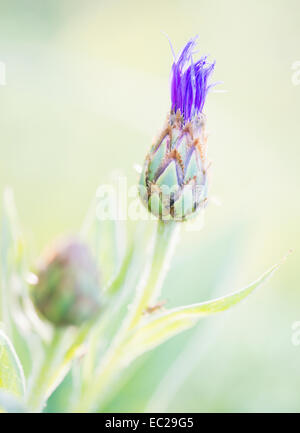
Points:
[(173, 183), (67, 291)]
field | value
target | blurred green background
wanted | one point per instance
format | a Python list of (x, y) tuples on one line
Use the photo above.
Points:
[(87, 88)]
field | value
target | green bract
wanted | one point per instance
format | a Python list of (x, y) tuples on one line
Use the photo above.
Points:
[(173, 183)]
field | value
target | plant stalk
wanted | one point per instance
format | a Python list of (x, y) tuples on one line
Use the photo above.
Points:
[(147, 294)]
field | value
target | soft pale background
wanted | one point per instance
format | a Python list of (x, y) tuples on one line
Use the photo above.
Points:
[(87, 89)]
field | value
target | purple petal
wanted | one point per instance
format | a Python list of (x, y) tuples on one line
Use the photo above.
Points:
[(189, 82)]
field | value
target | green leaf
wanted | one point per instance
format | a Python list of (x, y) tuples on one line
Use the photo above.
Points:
[(11, 372), (163, 326)]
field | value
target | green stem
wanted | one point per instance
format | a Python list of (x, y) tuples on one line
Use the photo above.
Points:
[(147, 293), (61, 368), (166, 237), (37, 393), (59, 354)]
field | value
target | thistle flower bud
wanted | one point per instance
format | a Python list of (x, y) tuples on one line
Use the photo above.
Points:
[(173, 183), (67, 290)]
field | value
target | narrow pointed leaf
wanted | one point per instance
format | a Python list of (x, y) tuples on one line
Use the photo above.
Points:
[(11, 372), (159, 328)]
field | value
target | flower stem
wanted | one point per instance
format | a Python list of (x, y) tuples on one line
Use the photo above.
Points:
[(166, 238), (147, 293)]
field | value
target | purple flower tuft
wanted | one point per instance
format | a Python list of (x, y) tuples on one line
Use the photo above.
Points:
[(189, 82)]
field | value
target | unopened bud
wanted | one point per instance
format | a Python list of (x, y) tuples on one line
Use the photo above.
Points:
[(173, 183), (67, 291)]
